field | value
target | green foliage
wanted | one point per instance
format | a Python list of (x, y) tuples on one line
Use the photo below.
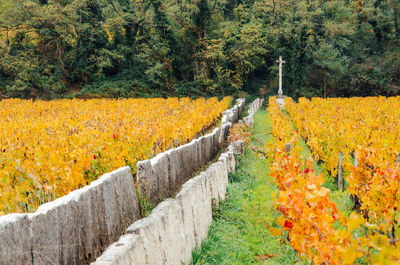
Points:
[(113, 48)]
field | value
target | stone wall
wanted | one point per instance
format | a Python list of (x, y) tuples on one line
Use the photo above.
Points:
[(176, 226), (76, 228), (179, 225), (73, 229), (163, 175), (253, 108)]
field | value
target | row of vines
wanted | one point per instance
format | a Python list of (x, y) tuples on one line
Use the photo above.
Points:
[(316, 229), (51, 148)]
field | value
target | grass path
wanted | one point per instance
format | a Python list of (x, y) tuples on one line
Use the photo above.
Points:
[(239, 233)]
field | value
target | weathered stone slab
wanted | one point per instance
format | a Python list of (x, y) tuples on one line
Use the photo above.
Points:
[(46, 233), (69, 229), (94, 221), (200, 155), (202, 150), (220, 173), (15, 247), (224, 119), (157, 239), (207, 200), (173, 236), (237, 147), (136, 250), (120, 201), (176, 174), (232, 115), (223, 158), (128, 250), (76, 228), (215, 141), (160, 165), (231, 161), (235, 113), (58, 236), (211, 176), (127, 198), (150, 229), (241, 103), (190, 159), (202, 212), (224, 132), (228, 114), (147, 182), (112, 211), (208, 146), (222, 177), (187, 167), (185, 199), (193, 157)]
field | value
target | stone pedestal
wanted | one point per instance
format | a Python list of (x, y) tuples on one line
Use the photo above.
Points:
[(280, 99)]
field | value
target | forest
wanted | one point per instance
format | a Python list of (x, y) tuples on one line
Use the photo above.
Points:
[(159, 48)]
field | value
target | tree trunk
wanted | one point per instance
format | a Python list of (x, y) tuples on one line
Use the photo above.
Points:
[(274, 13), (396, 22)]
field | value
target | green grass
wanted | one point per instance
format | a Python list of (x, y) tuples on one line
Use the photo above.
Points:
[(240, 233)]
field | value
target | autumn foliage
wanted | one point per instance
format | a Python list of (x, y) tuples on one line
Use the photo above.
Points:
[(239, 131), (334, 125), (316, 229), (51, 148)]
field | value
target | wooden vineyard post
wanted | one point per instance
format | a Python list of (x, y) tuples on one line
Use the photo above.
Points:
[(354, 198), (288, 147), (355, 160), (398, 158), (340, 172)]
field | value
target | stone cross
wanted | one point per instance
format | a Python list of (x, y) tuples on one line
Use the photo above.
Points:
[(280, 61)]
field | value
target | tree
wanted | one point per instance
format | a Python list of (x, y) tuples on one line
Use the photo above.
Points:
[(121, 48), (89, 57), (332, 63)]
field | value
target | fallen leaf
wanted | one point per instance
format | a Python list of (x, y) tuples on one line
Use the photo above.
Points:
[(265, 256), (275, 231)]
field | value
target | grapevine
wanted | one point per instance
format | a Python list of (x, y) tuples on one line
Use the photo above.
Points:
[(316, 229), (50, 148)]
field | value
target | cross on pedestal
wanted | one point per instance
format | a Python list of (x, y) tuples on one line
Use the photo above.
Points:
[(280, 61), (280, 99)]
